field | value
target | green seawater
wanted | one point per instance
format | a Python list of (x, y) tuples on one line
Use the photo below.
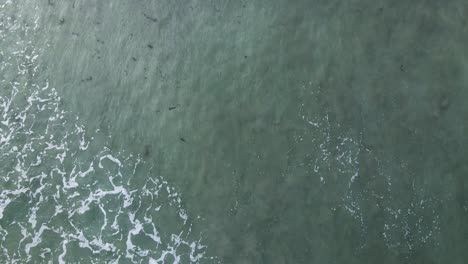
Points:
[(240, 132)]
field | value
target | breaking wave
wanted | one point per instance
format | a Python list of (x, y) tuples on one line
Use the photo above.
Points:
[(61, 189)]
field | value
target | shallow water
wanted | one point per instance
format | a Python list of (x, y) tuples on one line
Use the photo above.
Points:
[(233, 131)]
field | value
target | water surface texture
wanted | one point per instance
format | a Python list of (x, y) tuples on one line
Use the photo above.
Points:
[(206, 131)]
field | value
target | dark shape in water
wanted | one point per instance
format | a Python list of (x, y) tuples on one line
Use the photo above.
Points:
[(173, 107), (182, 139), (150, 18), (90, 78), (147, 151), (150, 46)]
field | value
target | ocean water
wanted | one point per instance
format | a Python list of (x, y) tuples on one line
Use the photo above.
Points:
[(233, 131)]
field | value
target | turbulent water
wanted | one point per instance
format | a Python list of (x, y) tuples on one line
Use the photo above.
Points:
[(64, 196), (233, 132)]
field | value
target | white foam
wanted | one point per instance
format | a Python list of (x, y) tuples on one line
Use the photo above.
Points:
[(51, 166)]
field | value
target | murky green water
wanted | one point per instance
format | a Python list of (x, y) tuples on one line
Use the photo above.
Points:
[(233, 131)]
